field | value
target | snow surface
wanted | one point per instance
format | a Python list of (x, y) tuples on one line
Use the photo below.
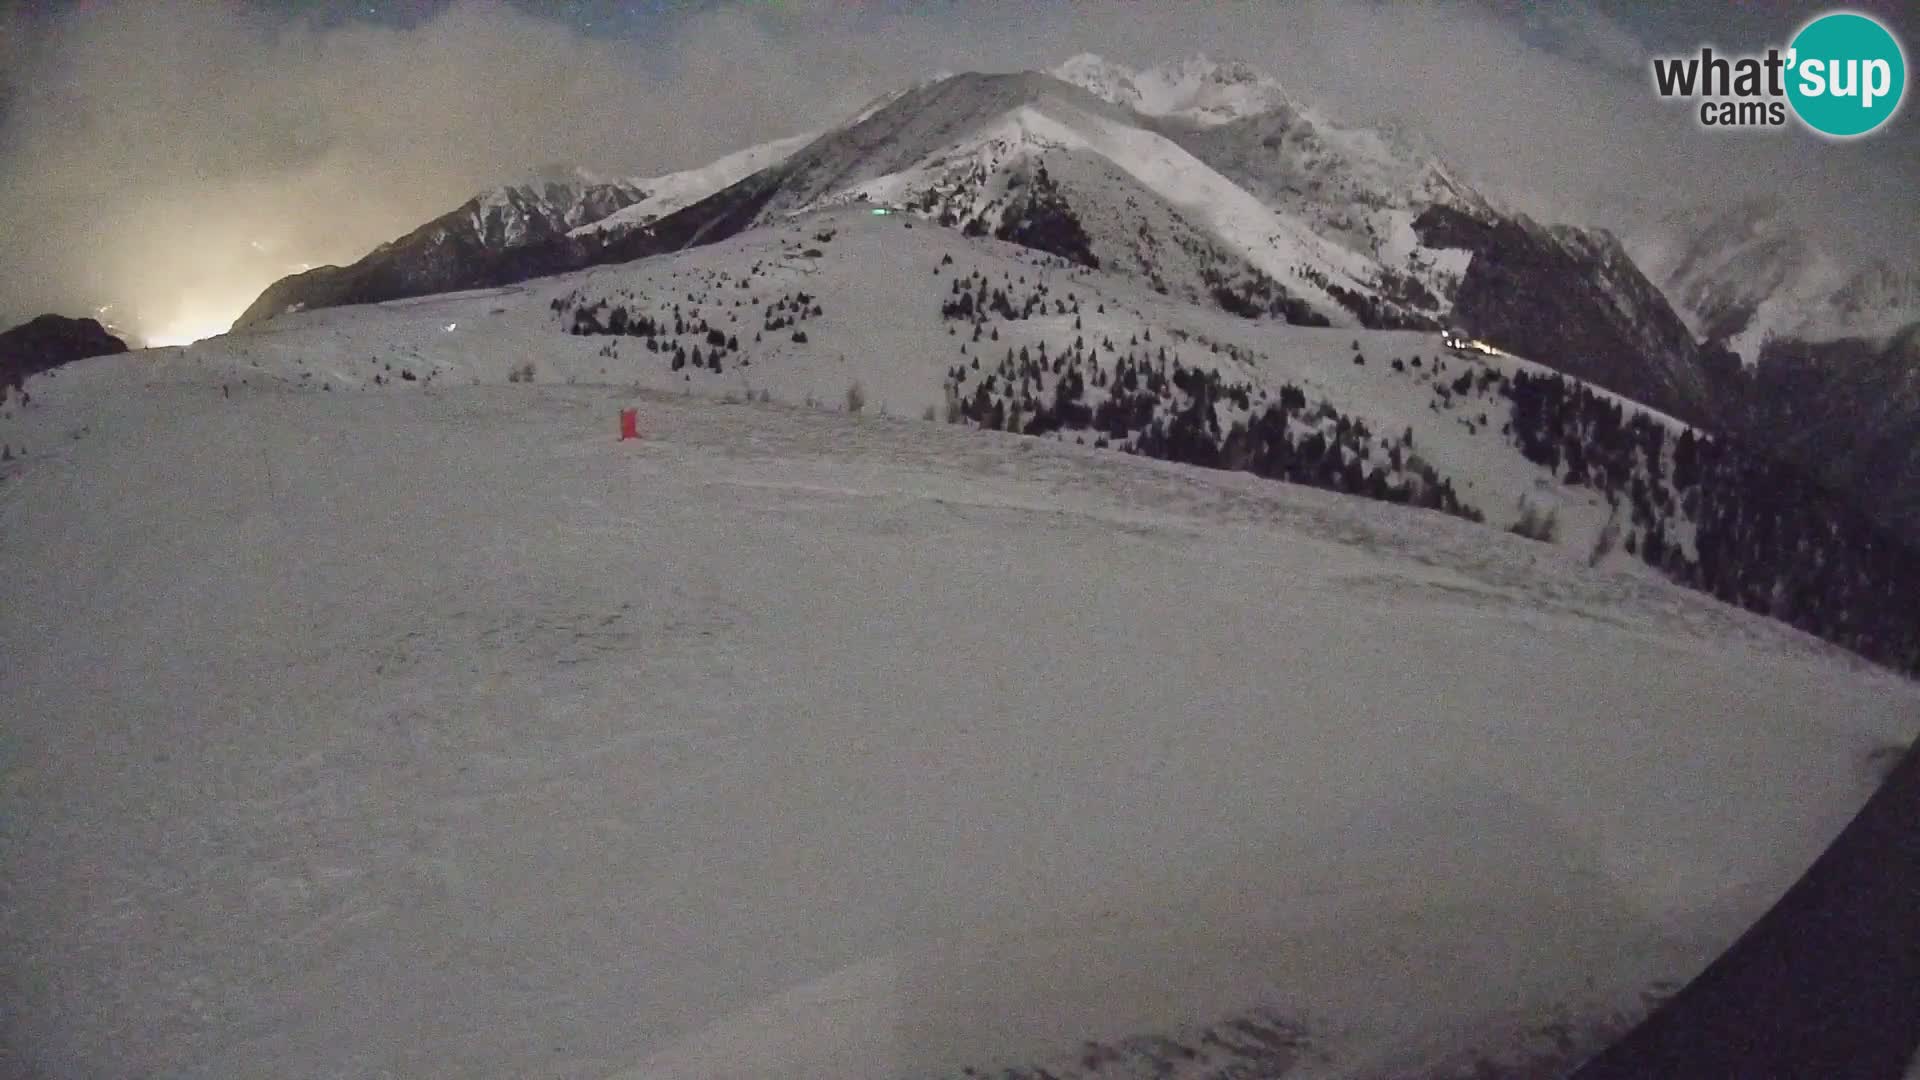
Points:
[(426, 730)]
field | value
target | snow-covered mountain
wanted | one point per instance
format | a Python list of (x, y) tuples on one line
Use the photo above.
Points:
[(1362, 186), (666, 194), (552, 220), (1200, 180), (1290, 154), (1747, 274), (1026, 156), (550, 202), (1819, 356), (1206, 183), (1196, 88)]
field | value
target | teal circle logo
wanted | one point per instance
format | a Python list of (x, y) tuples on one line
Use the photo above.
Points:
[(1846, 74)]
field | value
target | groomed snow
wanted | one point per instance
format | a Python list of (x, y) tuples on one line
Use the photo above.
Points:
[(436, 733)]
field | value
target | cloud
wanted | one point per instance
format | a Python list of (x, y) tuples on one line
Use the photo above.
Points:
[(169, 155), (175, 156)]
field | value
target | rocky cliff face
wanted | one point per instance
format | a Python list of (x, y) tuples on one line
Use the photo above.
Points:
[(1571, 297)]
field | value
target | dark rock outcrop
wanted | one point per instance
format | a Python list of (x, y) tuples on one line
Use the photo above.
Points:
[(50, 341)]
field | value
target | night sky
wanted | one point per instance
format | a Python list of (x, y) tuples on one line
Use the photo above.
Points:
[(1659, 26), (598, 18)]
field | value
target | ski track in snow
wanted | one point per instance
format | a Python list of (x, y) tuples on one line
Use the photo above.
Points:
[(439, 734)]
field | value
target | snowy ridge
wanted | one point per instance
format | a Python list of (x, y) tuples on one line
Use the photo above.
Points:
[(892, 96), (674, 191), (1277, 243), (516, 214), (1285, 248), (508, 216), (1357, 188), (554, 185), (1342, 198)]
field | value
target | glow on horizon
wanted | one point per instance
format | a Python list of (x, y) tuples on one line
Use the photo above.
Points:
[(186, 331)]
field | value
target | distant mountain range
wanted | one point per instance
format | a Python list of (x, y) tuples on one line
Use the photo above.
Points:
[(1747, 274), (1816, 356)]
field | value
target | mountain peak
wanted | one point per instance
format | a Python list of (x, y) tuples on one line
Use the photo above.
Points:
[(550, 186), (1100, 77), (1197, 88), (1748, 272), (1225, 71)]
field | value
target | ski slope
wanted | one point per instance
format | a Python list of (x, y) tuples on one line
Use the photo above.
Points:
[(429, 731)]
